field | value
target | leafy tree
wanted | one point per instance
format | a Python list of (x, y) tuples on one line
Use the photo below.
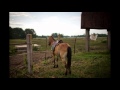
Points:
[(30, 31), (55, 35), (10, 33), (16, 33), (19, 33)]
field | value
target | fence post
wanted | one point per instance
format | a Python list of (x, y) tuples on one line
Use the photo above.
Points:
[(74, 45), (46, 48), (87, 39), (46, 43), (29, 52), (59, 37), (109, 39)]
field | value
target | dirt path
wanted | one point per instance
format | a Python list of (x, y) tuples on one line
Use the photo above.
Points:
[(16, 61)]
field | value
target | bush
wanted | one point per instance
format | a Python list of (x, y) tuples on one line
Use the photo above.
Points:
[(104, 41), (12, 50), (35, 48)]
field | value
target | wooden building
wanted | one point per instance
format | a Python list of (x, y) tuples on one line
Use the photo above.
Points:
[(96, 20)]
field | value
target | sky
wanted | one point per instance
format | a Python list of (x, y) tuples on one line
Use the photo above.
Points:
[(46, 23)]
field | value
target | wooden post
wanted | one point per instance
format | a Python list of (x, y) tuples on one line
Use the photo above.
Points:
[(109, 39), (59, 37), (46, 43), (46, 48), (87, 39), (29, 52), (45, 55), (74, 45)]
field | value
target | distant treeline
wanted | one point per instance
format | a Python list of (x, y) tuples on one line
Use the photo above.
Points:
[(99, 35), (19, 33), (55, 35)]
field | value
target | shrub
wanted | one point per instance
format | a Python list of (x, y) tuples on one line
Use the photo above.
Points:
[(12, 50), (35, 48), (104, 41)]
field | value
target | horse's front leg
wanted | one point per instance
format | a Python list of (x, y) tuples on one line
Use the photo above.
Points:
[(55, 62)]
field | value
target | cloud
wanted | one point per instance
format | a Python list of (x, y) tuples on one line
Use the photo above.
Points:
[(18, 14), (11, 19), (75, 18), (50, 19), (15, 24)]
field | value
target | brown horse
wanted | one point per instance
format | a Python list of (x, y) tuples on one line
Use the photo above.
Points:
[(62, 50)]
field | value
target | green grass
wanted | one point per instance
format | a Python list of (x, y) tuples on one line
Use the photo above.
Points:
[(99, 44), (93, 64), (12, 50)]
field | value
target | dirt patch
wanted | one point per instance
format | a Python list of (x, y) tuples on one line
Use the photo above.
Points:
[(17, 61)]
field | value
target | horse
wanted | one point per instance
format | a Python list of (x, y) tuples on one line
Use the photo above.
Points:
[(62, 50)]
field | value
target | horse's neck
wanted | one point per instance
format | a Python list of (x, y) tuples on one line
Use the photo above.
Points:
[(54, 44), (53, 41)]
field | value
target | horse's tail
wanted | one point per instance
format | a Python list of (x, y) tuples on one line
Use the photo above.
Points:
[(69, 54)]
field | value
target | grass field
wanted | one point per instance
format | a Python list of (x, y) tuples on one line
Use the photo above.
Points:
[(93, 64)]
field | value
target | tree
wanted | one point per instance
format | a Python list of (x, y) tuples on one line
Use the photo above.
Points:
[(19, 33), (30, 31), (55, 35), (16, 33), (11, 32)]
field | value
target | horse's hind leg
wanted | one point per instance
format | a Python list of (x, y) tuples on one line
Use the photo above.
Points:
[(66, 70), (69, 70)]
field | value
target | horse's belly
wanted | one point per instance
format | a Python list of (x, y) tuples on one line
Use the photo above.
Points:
[(57, 53)]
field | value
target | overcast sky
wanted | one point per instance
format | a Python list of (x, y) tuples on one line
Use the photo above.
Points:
[(46, 23)]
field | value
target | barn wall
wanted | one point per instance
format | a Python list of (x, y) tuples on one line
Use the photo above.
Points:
[(95, 20)]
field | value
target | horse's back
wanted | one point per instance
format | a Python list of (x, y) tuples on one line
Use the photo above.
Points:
[(61, 48)]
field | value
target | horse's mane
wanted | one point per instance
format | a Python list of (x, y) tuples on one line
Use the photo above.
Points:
[(53, 38)]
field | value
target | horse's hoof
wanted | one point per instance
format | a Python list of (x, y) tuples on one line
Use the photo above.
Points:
[(65, 73), (56, 66), (70, 72), (53, 66)]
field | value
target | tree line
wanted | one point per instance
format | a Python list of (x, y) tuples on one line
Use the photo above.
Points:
[(19, 33), (55, 35), (99, 35)]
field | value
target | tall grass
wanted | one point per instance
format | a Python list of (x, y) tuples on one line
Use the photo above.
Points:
[(93, 64)]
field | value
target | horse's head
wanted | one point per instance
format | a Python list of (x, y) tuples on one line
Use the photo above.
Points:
[(50, 40)]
